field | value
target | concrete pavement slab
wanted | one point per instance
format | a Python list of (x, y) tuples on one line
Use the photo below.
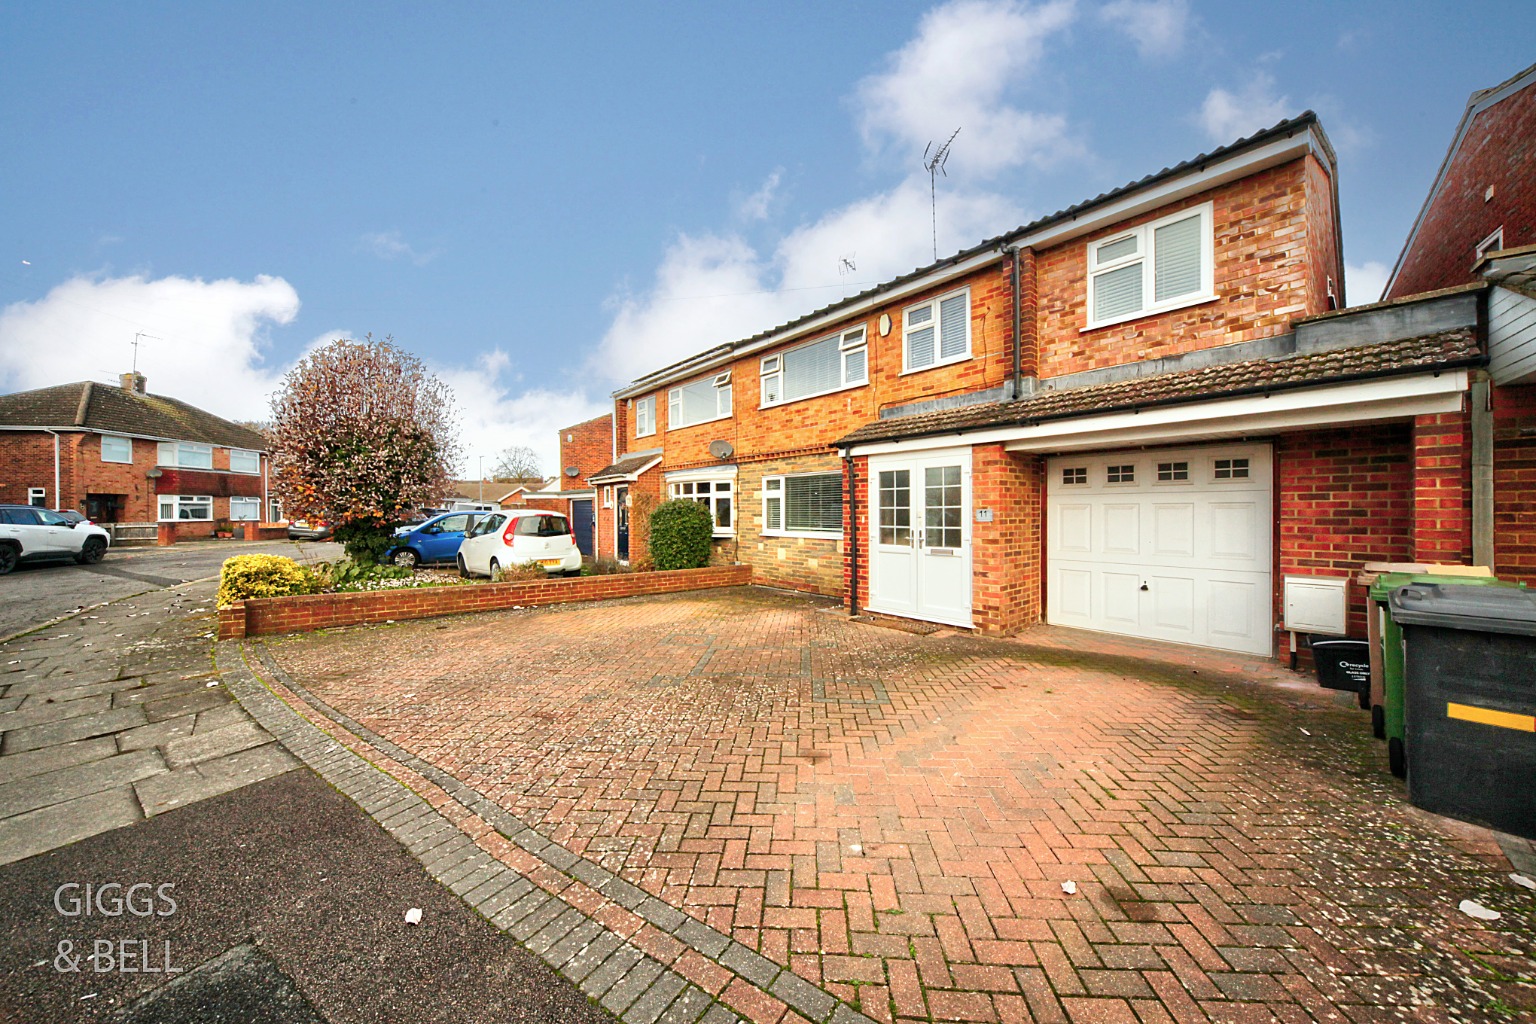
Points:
[(203, 746), (79, 780), (47, 711), (162, 793), (48, 759), (186, 704), (61, 824), (152, 735), (83, 727)]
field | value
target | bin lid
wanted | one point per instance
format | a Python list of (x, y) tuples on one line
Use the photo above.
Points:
[(1390, 581), (1472, 608)]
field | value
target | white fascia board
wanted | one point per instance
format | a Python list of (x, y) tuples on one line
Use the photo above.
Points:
[(139, 437), (1227, 170), (703, 473), (625, 477), (1334, 405)]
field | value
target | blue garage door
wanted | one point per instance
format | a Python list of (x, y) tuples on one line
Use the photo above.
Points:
[(582, 517)]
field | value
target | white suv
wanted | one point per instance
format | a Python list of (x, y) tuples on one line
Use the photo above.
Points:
[(28, 533)]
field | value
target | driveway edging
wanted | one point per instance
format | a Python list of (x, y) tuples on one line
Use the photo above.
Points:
[(623, 949)]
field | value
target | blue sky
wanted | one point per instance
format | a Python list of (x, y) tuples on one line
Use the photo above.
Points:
[(544, 201)]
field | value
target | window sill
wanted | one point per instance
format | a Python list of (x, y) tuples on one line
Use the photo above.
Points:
[(802, 534), (1198, 300), (819, 394), (700, 423), (951, 361)]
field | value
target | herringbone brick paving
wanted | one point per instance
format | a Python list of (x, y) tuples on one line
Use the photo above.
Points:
[(893, 816)]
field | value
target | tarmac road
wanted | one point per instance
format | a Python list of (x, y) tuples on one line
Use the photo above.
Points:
[(38, 592)]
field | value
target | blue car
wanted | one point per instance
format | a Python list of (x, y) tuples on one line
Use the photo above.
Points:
[(436, 540)]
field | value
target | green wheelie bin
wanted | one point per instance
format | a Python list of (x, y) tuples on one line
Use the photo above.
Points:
[(1392, 654)]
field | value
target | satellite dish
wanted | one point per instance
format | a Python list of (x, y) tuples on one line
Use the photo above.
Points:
[(573, 471), (721, 449)]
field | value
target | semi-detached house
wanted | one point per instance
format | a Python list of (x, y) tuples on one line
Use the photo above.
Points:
[(1137, 415)]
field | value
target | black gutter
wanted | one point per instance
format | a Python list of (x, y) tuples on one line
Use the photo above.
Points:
[(1161, 403)]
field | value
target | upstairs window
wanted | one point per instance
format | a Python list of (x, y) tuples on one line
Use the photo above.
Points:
[(937, 331), (703, 400), (243, 461), (1493, 243), (1158, 266), (819, 368), (116, 449), (185, 455), (645, 416)]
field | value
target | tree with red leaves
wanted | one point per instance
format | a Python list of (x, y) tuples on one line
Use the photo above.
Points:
[(362, 436)]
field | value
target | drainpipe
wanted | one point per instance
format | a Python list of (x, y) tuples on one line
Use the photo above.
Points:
[(853, 534), (57, 503), (1482, 470), (1018, 354)]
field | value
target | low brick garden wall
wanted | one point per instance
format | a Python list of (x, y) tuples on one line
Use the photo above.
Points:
[(266, 615)]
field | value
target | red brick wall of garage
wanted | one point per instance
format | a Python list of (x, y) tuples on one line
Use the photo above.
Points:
[(587, 446), (1499, 149), (1345, 497), (1514, 482)]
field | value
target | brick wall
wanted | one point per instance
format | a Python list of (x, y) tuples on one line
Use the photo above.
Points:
[(1006, 555), (1442, 489), (588, 446), (812, 564), (310, 612), (1264, 277), (1345, 497), (1514, 482), (1498, 150)]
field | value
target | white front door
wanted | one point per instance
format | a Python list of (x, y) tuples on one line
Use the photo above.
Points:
[(920, 536), (1165, 544)]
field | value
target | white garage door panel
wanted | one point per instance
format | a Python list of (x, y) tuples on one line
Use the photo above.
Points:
[(1178, 551)]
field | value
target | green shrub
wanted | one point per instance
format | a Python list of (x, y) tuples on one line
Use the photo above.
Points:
[(364, 542), (349, 575), (521, 573), (680, 532), (247, 576)]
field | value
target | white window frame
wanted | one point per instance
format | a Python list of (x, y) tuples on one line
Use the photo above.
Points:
[(608, 496), (255, 515), (722, 385), (275, 510), (255, 469), (116, 437), (938, 339), (172, 453), (37, 497), (776, 489), (645, 416), (771, 368), (180, 501), (676, 489), (1145, 254)]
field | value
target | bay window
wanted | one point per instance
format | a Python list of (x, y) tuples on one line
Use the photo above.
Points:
[(714, 494)]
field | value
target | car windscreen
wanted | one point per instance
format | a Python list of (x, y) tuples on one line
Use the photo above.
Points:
[(542, 526)]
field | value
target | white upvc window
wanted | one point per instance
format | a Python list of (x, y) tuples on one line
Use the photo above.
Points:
[(116, 449), (1493, 243), (274, 510), (37, 496), (241, 461), (175, 507), (1162, 265), (185, 455), (819, 368), (608, 496), (807, 505), (645, 416), (715, 494), (936, 332), (246, 510), (706, 399)]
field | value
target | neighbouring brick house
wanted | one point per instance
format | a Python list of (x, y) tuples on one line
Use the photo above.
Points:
[(122, 455), (1139, 415), (585, 449)]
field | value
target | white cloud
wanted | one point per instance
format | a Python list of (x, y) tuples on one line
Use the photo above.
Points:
[(206, 348), (958, 73), (389, 245), (1364, 282), (1157, 27), (756, 205), (1228, 116)]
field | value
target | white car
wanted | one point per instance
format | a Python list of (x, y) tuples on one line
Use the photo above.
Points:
[(29, 533), (504, 539)]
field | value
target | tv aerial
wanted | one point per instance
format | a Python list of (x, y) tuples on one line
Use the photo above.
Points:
[(935, 166)]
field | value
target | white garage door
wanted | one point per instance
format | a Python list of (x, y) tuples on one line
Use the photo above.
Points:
[(1165, 544)]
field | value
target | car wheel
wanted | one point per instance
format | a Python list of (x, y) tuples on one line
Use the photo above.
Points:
[(7, 559), (407, 558), (463, 569), (91, 551), (495, 569)]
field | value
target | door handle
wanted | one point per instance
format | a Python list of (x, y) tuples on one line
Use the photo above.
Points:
[(1144, 585)]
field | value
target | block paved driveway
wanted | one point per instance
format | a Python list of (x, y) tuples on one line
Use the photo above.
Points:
[(893, 816)]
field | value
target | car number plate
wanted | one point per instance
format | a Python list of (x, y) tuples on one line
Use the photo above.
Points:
[(549, 563)]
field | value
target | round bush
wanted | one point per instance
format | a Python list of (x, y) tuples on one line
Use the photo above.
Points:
[(680, 532), (246, 576)]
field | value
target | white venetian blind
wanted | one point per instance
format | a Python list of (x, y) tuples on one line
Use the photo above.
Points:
[(811, 369), (953, 314), (1176, 259), (920, 336), (1117, 292), (814, 503)]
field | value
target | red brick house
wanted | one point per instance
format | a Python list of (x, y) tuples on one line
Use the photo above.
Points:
[(1483, 198), (585, 449), (1143, 415), (122, 455)]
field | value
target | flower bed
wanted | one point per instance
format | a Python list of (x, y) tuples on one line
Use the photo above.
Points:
[(308, 612)]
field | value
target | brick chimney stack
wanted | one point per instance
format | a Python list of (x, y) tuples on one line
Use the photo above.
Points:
[(135, 382)]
